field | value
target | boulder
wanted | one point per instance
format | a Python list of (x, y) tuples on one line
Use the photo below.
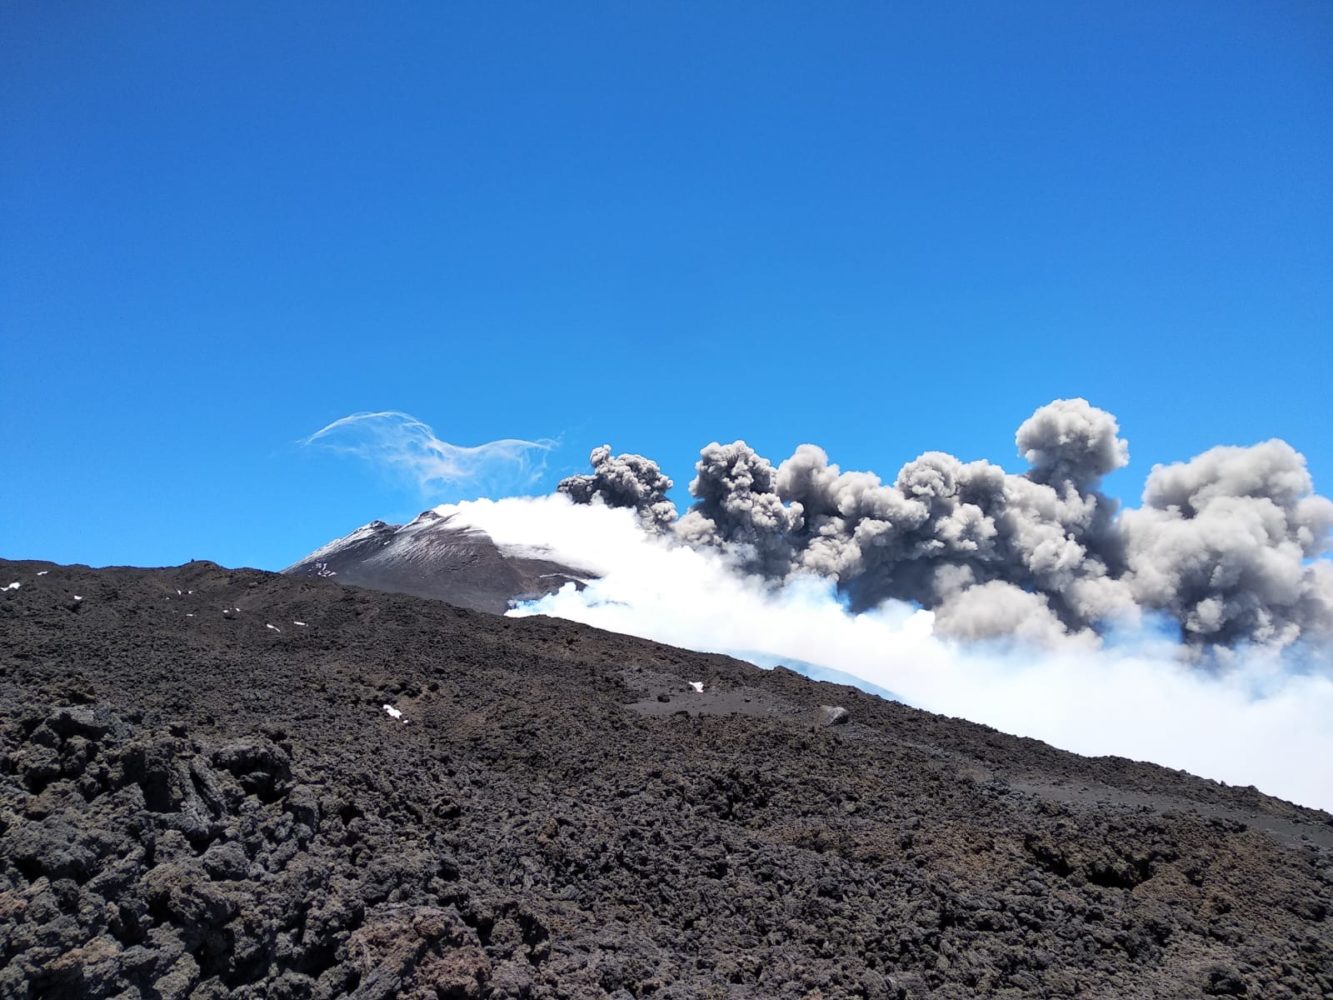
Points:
[(833, 715)]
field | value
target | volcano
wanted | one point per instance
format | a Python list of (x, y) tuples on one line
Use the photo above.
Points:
[(223, 783), (435, 555)]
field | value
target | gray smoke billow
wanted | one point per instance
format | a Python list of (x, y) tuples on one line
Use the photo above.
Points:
[(1226, 543), (625, 481), (1071, 441), (738, 508), (1229, 544)]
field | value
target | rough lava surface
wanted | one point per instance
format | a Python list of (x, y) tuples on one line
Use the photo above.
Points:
[(202, 795)]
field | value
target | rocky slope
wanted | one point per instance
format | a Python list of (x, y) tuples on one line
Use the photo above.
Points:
[(434, 556), (203, 794)]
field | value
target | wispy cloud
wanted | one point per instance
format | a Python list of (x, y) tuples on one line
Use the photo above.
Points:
[(407, 447)]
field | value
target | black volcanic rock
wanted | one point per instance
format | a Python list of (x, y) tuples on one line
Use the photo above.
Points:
[(434, 556), (205, 808)]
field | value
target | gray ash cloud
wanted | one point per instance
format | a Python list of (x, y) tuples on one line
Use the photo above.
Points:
[(625, 481), (1229, 543)]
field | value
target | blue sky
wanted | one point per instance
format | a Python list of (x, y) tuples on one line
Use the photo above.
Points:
[(880, 228)]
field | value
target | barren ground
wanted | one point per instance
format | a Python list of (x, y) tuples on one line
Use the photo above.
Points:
[(194, 804)]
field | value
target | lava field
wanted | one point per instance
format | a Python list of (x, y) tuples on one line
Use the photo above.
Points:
[(225, 783)]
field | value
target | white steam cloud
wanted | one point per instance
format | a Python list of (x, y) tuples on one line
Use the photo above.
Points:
[(1261, 715), (408, 447)]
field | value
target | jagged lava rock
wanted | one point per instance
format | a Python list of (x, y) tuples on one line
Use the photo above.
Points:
[(200, 807)]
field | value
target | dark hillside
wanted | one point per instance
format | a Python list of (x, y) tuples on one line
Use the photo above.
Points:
[(201, 798)]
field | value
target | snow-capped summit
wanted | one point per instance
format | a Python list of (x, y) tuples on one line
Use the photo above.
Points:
[(435, 555)]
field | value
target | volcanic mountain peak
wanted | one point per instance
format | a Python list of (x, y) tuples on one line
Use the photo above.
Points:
[(437, 555), (374, 531)]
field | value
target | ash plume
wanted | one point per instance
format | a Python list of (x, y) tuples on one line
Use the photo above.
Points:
[(739, 510), (1071, 441), (1229, 544), (1222, 542), (624, 481)]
